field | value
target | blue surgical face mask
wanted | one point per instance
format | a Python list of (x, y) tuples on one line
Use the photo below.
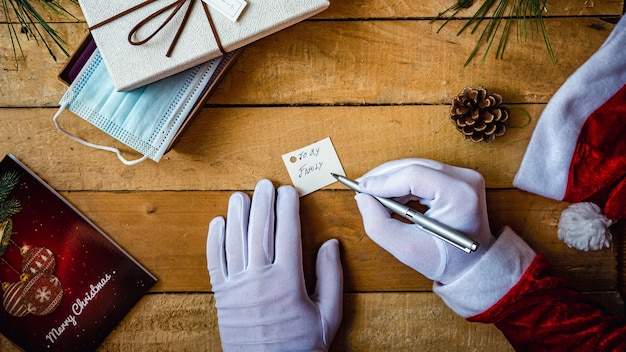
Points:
[(145, 119)]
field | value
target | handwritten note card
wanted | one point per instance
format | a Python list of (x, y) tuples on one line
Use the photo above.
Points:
[(310, 167)]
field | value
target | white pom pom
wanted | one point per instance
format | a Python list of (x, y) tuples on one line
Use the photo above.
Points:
[(583, 226)]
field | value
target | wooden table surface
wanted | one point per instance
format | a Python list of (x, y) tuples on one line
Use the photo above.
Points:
[(375, 77)]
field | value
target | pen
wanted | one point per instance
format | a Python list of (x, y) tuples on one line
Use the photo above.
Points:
[(432, 226)]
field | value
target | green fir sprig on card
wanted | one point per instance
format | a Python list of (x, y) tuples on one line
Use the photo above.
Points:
[(528, 15), (8, 206), (23, 18)]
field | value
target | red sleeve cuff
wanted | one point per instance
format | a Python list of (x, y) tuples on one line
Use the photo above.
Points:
[(541, 313)]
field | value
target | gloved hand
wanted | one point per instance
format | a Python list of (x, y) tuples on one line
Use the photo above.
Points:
[(454, 196), (255, 262)]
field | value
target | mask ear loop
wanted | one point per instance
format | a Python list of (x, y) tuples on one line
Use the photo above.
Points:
[(55, 119)]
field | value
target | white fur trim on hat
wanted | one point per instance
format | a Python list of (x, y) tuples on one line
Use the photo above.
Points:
[(583, 226), (546, 164)]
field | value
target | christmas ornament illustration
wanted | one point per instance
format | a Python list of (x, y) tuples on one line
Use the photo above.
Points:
[(13, 299), (38, 291), (38, 260), (42, 294)]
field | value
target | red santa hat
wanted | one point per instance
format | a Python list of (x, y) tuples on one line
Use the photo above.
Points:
[(577, 152)]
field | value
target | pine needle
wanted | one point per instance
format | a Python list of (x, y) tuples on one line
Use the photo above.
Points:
[(12, 206), (505, 11), (22, 18)]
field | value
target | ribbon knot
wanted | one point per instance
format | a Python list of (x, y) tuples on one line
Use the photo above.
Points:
[(174, 8)]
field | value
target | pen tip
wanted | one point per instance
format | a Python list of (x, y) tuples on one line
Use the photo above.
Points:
[(334, 174)]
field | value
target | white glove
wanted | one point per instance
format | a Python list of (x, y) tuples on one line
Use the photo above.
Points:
[(454, 196), (255, 263)]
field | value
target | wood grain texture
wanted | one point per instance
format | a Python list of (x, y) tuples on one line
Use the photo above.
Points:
[(403, 321), (188, 322), (222, 142), (393, 9), (167, 231), (299, 65)]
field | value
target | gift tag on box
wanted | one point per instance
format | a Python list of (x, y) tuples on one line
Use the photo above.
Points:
[(232, 9)]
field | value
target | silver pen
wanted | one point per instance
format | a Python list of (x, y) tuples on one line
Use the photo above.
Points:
[(432, 226)]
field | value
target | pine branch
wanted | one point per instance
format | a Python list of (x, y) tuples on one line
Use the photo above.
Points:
[(12, 206), (8, 181), (8, 208), (23, 15), (522, 11)]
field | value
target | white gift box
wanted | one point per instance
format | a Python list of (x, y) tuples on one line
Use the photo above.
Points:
[(132, 66)]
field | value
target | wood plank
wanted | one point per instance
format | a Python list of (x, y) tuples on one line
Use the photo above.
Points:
[(618, 230), (371, 322), (363, 9), (370, 62), (428, 9), (400, 62), (225, 142), (35, 82), (166, 231)]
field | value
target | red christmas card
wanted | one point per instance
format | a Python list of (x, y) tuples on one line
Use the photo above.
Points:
[(65, 283)]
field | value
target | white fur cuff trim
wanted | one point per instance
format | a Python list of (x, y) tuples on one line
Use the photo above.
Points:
[(490, 279)]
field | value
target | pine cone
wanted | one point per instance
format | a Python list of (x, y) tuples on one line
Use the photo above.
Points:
[(479, 115)]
